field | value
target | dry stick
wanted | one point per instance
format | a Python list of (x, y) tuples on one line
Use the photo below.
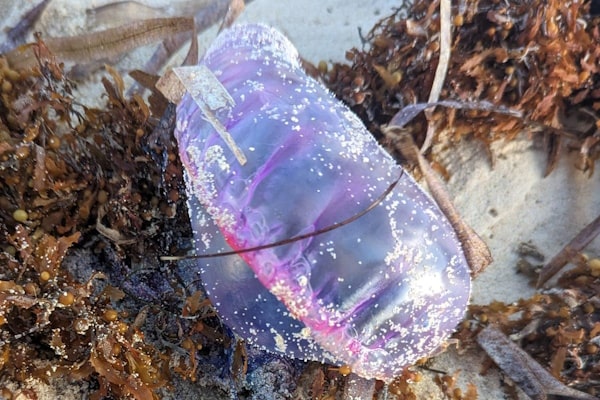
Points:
[(104, 44), (208, 14), (192, 55), (18, 34), (567, 253), (409, 112), (208, 93), (531, 377), (476, 251), (236, 7), (442, 68)]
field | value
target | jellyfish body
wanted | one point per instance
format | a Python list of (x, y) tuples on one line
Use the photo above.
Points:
[(375, 294)]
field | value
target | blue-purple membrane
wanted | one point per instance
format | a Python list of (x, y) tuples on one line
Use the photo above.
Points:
[(376, 294)]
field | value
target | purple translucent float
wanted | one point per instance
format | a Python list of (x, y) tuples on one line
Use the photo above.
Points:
[(376, 294)]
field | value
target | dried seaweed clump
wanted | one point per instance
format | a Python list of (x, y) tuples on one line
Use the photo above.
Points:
[(74, 178), (559, 327), (541, 58)]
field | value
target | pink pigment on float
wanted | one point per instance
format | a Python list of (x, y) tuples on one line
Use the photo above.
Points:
[(375, 294)]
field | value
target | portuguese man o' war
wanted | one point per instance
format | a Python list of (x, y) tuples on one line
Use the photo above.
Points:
[(375, 294)]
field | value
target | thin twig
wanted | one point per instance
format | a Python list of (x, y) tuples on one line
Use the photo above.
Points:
[(408, 113), (297, 238), (18, 34), (441, 69), (207, 15), (476, 251), (531, 377), (104, 44), (235, 8), (570, 250)]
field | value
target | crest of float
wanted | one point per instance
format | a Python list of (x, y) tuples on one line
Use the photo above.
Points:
[(270, 154)]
